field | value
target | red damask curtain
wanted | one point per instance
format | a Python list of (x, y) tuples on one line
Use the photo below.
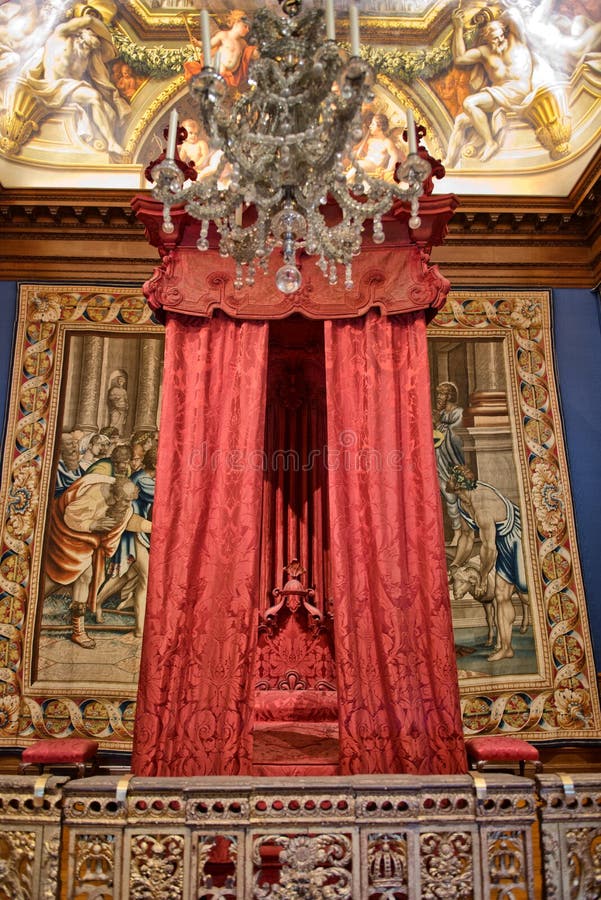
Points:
[(397, 678), (195, 702)]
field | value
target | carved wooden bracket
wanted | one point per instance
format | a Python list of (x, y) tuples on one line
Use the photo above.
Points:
[(295, 598)]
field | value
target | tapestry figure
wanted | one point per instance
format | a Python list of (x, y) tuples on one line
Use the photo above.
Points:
[(448, 446), (85, 526), (485, 510), (118, 401)]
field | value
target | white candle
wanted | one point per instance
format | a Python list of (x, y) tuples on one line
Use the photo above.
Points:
[(330, 21), (172, 135), (353, 16), (217, 61), (411, 139), (205, 32)]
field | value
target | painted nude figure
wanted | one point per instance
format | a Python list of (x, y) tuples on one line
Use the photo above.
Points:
[(235, 52), (194, 149), (73, 71), (377, 154), (564, 41), (24, 28), (507, 63)]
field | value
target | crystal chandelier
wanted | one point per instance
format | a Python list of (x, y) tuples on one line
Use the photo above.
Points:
[(288, 177)]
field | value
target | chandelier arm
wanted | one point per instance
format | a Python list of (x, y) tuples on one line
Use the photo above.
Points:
[(337, 243)]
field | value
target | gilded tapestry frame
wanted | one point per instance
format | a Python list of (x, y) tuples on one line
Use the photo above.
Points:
[(558, 700)]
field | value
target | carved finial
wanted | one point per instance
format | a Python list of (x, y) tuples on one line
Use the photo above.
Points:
[(294, 569)]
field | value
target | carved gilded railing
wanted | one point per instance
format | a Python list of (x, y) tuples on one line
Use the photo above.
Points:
[(570, 817), (367, 838), (362, 838), (30, 836)]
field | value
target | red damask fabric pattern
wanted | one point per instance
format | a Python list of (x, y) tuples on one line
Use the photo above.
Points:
[(397, 678), (195, 701)]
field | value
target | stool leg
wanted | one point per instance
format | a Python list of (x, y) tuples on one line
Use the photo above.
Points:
[(522, 766), (81, 769)]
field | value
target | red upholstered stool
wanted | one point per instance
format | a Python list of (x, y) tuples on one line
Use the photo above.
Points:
[(501, 749), (61, 752)]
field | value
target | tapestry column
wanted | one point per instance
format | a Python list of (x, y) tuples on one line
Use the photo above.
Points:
[(149, 380), (487, 417), (89, 384)]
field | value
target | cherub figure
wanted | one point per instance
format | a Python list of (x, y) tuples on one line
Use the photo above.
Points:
[(235, 54), (194, 149), (124, 79), (377, 154)]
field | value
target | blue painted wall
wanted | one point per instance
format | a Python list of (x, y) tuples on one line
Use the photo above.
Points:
[(577, 334), (8, 316)]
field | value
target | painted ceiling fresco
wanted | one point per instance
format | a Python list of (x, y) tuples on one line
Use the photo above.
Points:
[(508, 90)]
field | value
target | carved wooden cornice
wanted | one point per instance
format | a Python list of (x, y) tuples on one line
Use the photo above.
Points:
[(526, 241), (25, 211), (394, 276)]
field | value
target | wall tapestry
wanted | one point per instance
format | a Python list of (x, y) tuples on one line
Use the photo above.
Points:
[(78, 483), (519, 612), (77, 493)]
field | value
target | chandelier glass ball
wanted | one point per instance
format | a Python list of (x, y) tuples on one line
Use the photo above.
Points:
[(288, 180)]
